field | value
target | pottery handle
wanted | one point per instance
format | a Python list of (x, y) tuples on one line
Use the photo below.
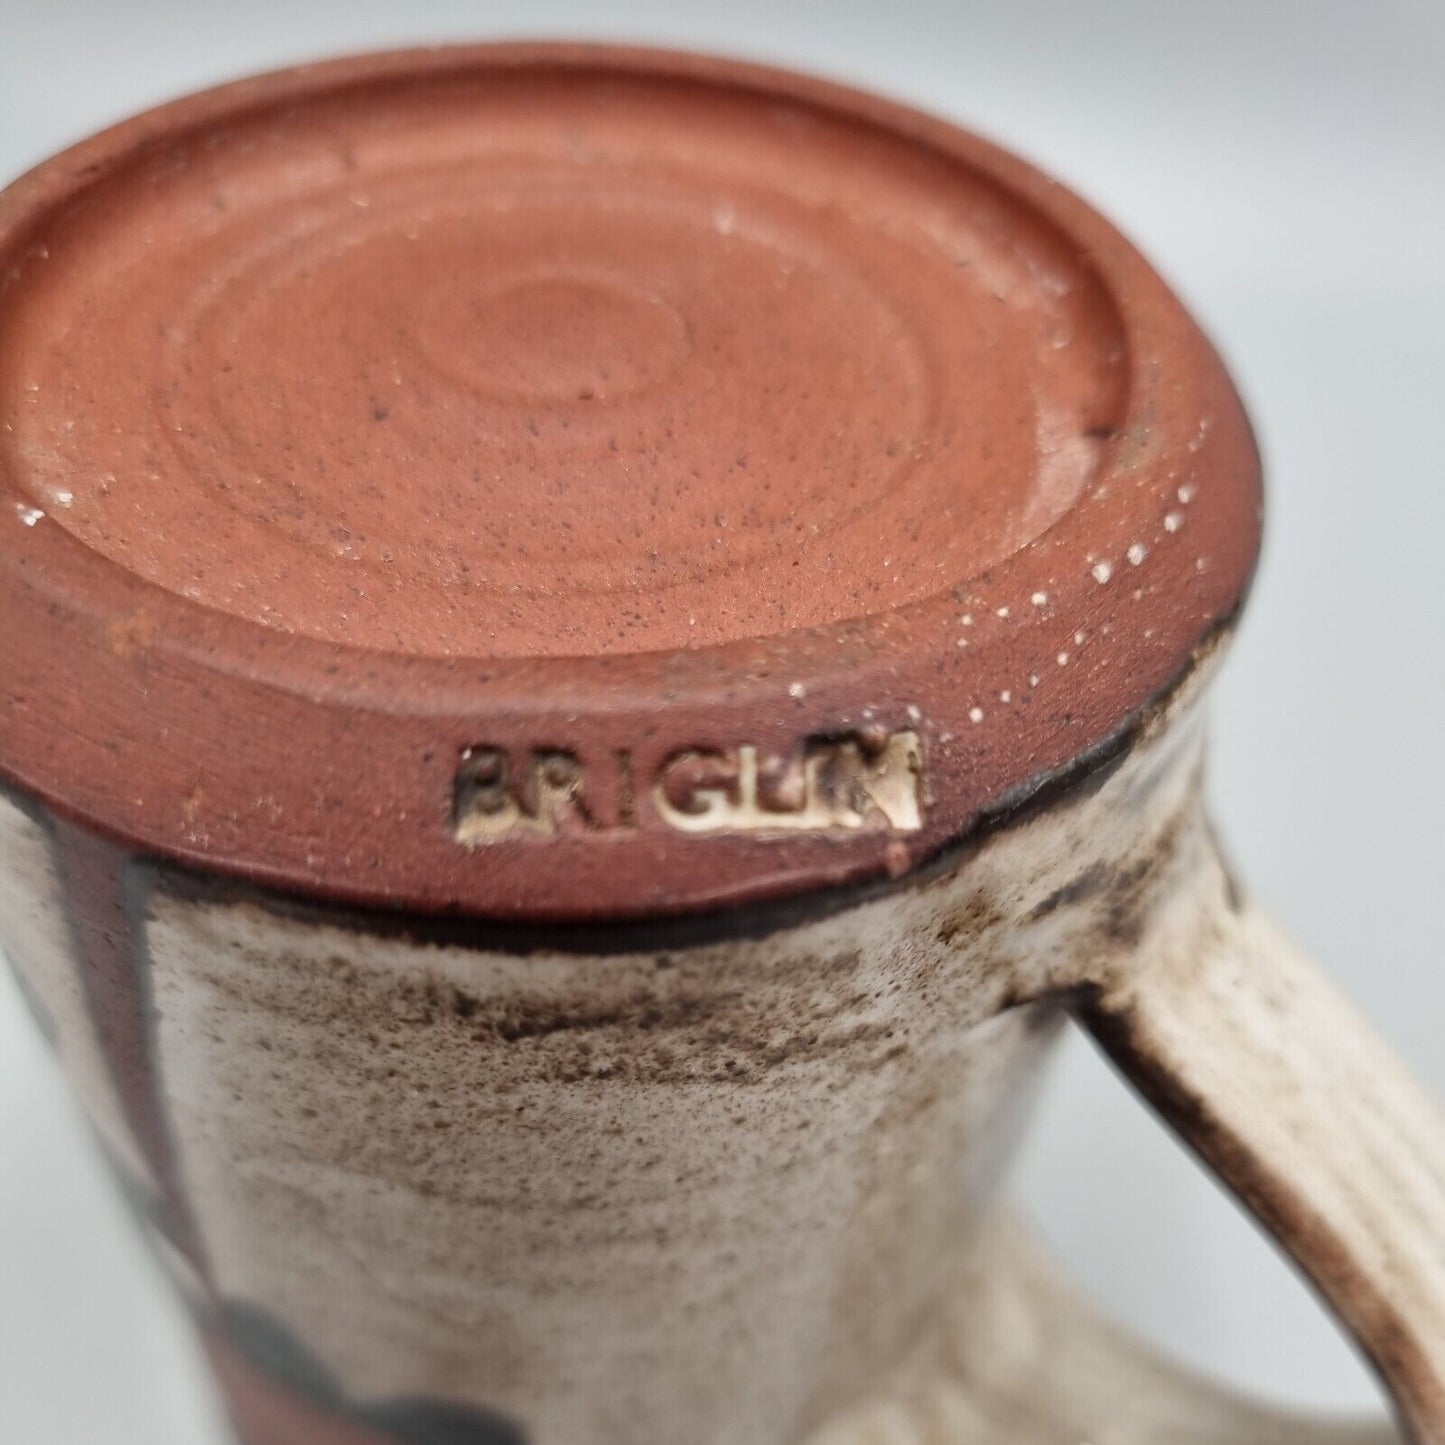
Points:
[(1270, 1075)]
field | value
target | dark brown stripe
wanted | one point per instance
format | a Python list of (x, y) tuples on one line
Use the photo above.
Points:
[(117, 995)]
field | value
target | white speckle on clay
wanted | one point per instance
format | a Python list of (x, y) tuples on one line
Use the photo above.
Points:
[(1136, 553), (1201, 564), (1102, 572), (967, 619), (1005, 696), (914, 715), (962, 642), (797, 690), (1040, 599), (1033, 679), (1063, 659), (975, 714), (1174, 521), (1186, 493), (29, 515), (1003, 611), (1138, 594), (62, 498)]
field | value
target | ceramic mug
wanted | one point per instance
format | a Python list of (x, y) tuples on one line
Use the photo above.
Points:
[(600, 647)]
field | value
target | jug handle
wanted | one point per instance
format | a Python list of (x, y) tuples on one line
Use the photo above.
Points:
[(1272, 1077), (1276, 1082)]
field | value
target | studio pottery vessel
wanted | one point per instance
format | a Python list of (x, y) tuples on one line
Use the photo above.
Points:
[(596, 648)]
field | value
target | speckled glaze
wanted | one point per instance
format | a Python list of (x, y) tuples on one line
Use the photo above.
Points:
[(600, 647), (437, 1169)]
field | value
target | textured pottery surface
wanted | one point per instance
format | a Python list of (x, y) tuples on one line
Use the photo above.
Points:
[(599, 648), (615, 423)]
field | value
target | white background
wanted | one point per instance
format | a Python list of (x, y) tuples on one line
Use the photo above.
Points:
[(1284, 165)]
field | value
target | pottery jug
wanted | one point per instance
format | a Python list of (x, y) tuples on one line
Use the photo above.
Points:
[(598, 647)]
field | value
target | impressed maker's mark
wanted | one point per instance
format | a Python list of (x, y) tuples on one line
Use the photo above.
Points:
[(857, 782)]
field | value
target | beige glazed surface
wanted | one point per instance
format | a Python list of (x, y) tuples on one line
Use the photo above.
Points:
[(471, 1175), (474, 1175)]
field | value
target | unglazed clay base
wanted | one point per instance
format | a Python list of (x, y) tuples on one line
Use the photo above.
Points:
[(641, 364), (605, 484)]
